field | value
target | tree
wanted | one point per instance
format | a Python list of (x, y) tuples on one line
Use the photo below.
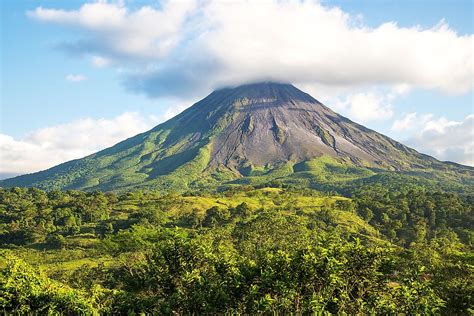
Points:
[(345, 205), (366, 214), (215, 215), (56, 240), (242, 210)]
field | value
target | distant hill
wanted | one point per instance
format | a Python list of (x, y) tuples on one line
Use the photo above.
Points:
[(253, 133)]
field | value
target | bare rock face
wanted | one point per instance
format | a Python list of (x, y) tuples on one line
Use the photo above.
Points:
[(262, 125), (272, 123)]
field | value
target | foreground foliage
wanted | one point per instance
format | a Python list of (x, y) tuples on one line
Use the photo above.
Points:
[(23, 290), (243, 250)]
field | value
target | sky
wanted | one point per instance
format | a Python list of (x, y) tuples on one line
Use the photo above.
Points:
[(79, 76)]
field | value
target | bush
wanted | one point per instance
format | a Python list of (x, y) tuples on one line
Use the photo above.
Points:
[(23, 291)]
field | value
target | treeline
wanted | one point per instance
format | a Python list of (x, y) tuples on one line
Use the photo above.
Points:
[(416, 215), (403, 215), (282, 250), (30, 215)]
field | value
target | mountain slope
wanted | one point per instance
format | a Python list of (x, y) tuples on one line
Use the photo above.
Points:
[(265, 129)]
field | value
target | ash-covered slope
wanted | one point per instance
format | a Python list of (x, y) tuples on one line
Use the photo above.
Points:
[(275, 123), (233, 133)]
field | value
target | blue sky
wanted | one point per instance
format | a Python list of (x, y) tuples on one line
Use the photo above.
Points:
[(67, 65)]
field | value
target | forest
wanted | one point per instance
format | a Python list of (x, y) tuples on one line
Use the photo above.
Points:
[(370, 249)]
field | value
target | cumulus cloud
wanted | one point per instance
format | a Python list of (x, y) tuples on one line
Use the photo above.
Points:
[(415, 121), (47, 147), (365, 107), (442, 138), (116, 31), (187, 47), (100, 61), (75, 78), (405, 123)]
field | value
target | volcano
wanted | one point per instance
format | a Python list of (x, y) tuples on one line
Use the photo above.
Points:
[(262, 131)]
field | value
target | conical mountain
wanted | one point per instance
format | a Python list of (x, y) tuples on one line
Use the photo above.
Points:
[(261, 131)]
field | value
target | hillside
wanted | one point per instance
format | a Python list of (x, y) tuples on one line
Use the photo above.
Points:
[(249, 134), (242, 251)]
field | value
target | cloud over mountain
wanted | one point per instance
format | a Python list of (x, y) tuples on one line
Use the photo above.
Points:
[(168, 50)]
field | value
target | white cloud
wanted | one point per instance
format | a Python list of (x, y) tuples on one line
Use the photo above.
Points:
[(176, 109), (100, 61), (143, 33), (182, 48), (75, 78), (422, 123), (440, 125), (442, 138), (406, 123), (365, 107), (413, 120), (50, 146)]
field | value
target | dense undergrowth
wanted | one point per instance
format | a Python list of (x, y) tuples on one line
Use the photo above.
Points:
[(380, 249)]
